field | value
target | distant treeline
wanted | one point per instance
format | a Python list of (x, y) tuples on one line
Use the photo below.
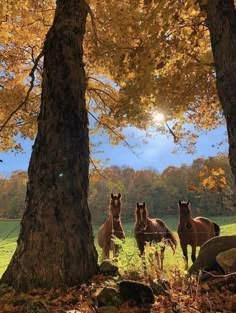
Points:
[(207, 183)]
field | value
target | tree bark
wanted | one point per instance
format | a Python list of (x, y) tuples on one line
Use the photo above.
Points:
[(221, 21), (55, 246)]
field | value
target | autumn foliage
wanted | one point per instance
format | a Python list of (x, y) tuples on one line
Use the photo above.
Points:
[(141, 57), (207, 183)]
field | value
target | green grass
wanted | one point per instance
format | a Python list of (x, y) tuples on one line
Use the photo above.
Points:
[(9, 231), (128, 259)]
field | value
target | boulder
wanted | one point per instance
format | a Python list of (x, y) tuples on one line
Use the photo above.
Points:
[(35, 307), (109, 297), (107, 268), (109, 309), (160, 287), (227, 260), (207, 255), (135, 291)]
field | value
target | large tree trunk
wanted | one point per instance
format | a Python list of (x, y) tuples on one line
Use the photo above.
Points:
[(55, 247), (221, 21)]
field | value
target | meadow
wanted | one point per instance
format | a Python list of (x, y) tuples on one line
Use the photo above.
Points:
[(128, 260)]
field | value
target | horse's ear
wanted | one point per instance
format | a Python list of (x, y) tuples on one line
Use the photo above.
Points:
[(180, 202), (137, 205), (188, 202), (144, 204), (112, 196), (119, 195)]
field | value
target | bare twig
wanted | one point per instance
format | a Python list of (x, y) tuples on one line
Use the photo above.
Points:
[(97, 80), (100, 97), (176, 140), (97, 169), (103, 91), (220, 276), (114, 132)]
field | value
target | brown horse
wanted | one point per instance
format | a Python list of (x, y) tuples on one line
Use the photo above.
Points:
[(112, 227), (151, 230), (194, 232)]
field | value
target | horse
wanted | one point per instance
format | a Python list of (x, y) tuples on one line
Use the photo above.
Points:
[(111, 227), (151, 230), (194, 232)]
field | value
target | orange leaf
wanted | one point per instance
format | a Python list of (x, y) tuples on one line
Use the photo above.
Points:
[(192, 187), (223, 180), (201, 174)]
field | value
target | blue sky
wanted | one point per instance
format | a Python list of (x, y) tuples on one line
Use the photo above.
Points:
[(156, 154)]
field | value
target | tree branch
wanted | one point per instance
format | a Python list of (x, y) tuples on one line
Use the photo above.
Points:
[(105, 92), (94, 28), (100, 97), (32, 75), (97, 170), (114, 132)]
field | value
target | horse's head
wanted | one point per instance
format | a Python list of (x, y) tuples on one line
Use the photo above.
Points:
[(115, 206), (141, 215), (184, 208)]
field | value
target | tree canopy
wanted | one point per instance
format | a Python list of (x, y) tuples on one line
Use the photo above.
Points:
[(141, 57)]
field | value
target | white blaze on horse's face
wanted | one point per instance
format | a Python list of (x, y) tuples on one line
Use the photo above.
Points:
[(115, 206), (143, 217), (116, 202), (184, 209)]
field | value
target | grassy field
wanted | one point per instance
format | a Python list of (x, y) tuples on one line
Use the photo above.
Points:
[(9, 231), (128, 259)]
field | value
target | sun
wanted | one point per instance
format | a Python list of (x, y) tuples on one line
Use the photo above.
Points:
[(158, 117)]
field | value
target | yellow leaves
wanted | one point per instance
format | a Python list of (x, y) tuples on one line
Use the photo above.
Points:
[(209, 183), (214, 178), (144, 49), (161, 47)]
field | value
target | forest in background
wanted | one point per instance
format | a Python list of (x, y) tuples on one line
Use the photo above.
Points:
[(207, 183)]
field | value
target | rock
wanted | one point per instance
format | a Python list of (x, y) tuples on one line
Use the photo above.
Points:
[(227, 260), (207, 255), (109, 309), (160, 287), (106, 267), (109, 297), (35, 307), (135, 291)]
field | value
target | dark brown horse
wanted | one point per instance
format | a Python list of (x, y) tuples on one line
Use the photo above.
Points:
[(112, 227), (151, 230), (194, 232)]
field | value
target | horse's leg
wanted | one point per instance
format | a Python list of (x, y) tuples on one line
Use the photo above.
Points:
[(157, 255), (185, 253), (141, 248), (142, 255), (193, 255), (162, 256), (115, 250), (106, 251)]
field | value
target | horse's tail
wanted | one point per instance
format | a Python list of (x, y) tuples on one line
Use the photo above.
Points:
[(171, 239), (217, 229)]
